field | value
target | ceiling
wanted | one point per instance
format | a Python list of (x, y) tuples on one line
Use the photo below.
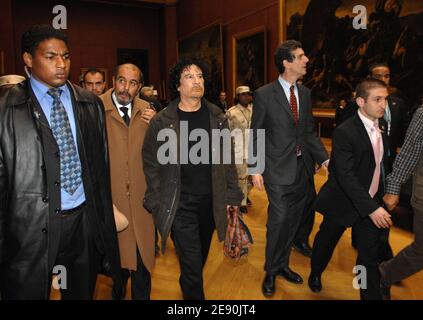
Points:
[(155, 3)]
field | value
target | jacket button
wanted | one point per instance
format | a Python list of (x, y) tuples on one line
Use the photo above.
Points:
[(168, 210), (56, 183), (45, 199), (57, 210), (44, 230)]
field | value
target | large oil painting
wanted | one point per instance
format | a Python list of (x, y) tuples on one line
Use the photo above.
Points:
[(206, 45), (340, 55), (249, 52)]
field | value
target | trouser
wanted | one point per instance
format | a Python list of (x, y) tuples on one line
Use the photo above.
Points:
[(192, 232), (368, 246), (409, 260), (140, 280), (286, 207), (307, 220)]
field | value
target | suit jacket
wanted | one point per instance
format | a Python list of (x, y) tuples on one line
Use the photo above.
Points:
[(128, 182), (345, 196), (272, 112), (29, 223)]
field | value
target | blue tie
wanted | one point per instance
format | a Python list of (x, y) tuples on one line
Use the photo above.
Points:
[(70, 167)]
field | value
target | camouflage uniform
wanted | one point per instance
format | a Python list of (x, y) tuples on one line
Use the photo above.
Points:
[(240, 118)]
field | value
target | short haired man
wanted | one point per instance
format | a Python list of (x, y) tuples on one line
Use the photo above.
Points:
[(127, 119), (94, 81), (352, 196), (283, 108), (55, 201)]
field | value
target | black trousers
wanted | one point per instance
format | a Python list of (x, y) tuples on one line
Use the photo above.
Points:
[(78, 255), (286, 207), (368, 246), (140, 280), (307, 220), (192, 231)]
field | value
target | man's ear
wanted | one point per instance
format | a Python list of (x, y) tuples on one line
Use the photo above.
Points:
[(27, 57), (360, 101)]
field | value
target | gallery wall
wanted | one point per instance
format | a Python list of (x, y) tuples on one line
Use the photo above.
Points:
[(95, 31), (236, 17)]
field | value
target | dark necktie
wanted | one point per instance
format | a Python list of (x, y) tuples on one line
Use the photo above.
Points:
[(293, 103), (294, 109), (70, 166), (125, 116)]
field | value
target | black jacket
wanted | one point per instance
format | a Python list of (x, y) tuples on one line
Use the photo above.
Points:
[(164, 181), (345, 196), (28, 222)]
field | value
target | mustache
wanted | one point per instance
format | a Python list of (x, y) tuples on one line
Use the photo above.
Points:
[(123, 93)]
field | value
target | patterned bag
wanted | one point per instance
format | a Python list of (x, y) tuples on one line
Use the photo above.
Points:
[(238, 237)]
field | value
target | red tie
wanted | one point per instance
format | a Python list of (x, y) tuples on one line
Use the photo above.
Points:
[(294, 105)]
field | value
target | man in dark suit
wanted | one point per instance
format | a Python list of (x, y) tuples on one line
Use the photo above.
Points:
[(352, 196), (397, 118), (55, 203), (283, 108)]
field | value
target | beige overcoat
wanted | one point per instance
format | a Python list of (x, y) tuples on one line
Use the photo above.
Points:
[(128, 182)]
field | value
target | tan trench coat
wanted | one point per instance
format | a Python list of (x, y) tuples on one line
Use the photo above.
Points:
[(128, 182)]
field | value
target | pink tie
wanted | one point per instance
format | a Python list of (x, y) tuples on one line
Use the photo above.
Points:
[(376, 151)]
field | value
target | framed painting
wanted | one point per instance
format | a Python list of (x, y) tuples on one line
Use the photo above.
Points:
[(206, 45), (340, 53), (249, 52)]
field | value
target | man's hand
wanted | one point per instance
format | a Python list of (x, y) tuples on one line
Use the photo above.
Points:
[(381, 218), (147, 114), (258, 181), (391, 200)]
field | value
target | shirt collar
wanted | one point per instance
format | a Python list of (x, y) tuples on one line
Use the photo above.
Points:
[(369, 124), (40, 89), (285, 84)]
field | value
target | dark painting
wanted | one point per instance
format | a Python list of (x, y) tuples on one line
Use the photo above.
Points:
[(341, 55), (139, 57), (206, 45), (250, 64)]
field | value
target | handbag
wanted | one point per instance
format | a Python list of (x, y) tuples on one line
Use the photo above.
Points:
[(238, 237)]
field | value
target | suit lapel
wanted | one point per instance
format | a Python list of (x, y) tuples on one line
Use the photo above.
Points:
[(364, 135), (281, 98)]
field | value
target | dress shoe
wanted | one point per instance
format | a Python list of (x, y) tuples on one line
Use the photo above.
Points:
[(315, 283), (290, 275), (243, 209), (268, 286), (304, 249)]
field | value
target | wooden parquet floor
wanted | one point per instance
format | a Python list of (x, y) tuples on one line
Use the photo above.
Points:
[(220, 274)]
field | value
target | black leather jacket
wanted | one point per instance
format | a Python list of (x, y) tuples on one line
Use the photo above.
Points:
[(164, 183), (27, 232)]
